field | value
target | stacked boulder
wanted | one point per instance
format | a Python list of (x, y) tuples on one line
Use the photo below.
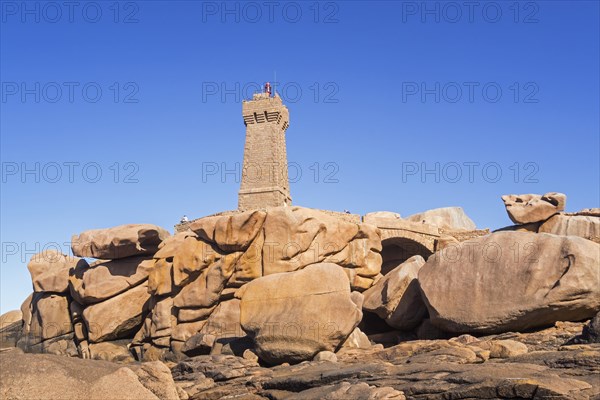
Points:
[(533, 208), (545, 214), (111, 295), (85, 309), (47, 325)]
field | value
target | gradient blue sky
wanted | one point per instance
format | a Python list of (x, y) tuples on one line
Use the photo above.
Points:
[(357, 65)]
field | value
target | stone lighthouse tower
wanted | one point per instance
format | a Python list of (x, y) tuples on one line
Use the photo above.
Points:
[(265, 180)]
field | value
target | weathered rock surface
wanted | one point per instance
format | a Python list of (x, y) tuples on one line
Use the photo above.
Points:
[(512, 281), (11, 325), (371, 218), (287, 286), (325, 356), (590, 212), (156, 377), (118, 242), (216, 367), (199, 344), (357, 340), (105, 279), (111, 351), (45, 317), (531, 227), (448, 218), (428, 369), (10, 317), (43, 376), (293, 316), (231, 233), (345, 390), (285, 239), (50, 270), (584, 226), (527, 208), (203, 269), (396, 297), (205, 290), (224, 323), (591, 332)]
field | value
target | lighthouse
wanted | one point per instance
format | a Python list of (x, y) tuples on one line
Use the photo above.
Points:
[(265, 181)]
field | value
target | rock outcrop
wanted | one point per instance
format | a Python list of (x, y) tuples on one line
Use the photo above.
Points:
[(195, 274), (286, 287)]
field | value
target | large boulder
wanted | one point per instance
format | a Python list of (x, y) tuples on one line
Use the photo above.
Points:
[(202, 268), (527, 208), (293, 316), (396, 297), (447, 218), (119, 242), (118, 317), (512, 281), (105, 279), (585, 226), (50, 270)]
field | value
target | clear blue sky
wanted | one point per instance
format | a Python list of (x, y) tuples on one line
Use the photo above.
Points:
[(377, 91)]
